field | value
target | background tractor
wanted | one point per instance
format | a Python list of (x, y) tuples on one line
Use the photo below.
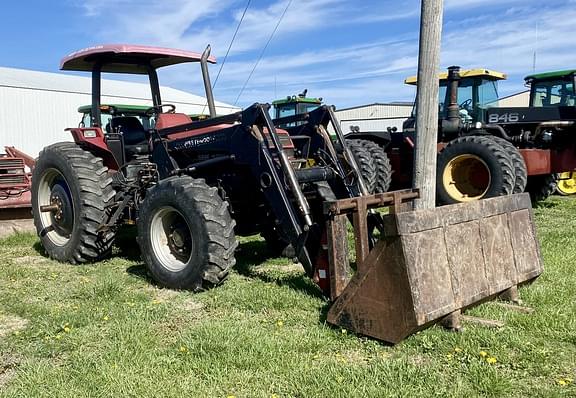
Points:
[(368, 148), (486, 150)]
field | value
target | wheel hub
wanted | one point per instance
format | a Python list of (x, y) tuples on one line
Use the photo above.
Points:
[(466, 177), (63, 217)]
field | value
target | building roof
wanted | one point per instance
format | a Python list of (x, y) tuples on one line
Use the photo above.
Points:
[(67, 83), (479, 72), (127, 58), (551, 75), (382, 104)]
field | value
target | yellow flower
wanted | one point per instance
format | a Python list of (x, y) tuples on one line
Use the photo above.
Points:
[(491, 360), (66, 329), (457, 349), (562, 382), (155, 301), (58, 336), (275, 396), (483, 354), (280, 323), (231, 396), (105, 318), (449, 356), (183, 348)]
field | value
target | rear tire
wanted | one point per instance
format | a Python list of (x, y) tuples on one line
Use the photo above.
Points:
[(566, 183), (186, 234), (78, 183), (472, 168), (541, 186), (365, 163), (382, 165), (520, 169)]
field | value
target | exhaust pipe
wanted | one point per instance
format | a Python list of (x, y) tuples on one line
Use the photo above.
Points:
[(451, 124), (207, 84)]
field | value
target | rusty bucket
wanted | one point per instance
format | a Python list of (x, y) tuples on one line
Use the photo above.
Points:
[(428, 263)]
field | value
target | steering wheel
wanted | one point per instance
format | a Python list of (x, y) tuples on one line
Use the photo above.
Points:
[(466, 104), (153, 110)]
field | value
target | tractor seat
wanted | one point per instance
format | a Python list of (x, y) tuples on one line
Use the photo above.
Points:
[(132, 131)]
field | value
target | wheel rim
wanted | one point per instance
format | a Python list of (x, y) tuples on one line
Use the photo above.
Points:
[(171, 238), (53, 190), (466, 178), (567, 183)]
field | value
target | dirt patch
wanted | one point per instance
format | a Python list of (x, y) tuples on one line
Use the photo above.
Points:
[(191, 305), (293, 267), (10, 324), (30, 260), (8, 364)]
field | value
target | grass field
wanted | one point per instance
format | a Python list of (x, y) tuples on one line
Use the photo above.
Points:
[(105, 330)]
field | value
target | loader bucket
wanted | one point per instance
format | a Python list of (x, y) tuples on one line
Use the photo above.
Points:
[(429, 263)]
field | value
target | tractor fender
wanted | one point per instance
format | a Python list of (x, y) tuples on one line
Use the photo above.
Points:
[(382, 138), (92, 139)]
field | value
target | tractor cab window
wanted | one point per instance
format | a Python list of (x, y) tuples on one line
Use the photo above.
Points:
[(286, 110), (553, 93), (305, 107), (488, 94)]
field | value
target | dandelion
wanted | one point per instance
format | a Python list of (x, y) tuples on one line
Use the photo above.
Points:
[(231, 396), (457, 349), (105, 318), (274, 396), (280, 323), (564, 381), (483, 354), (66, 329), (58, 337), (491, 360), (449, 357), (183, 349)]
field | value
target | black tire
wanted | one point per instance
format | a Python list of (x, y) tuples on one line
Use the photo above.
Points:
[(79, 181), (472, 168), (520, 169), (365, 163), (541, 186), (186, 234), (382, 165)]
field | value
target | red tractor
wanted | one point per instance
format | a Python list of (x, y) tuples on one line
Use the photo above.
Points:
[(189, 186)]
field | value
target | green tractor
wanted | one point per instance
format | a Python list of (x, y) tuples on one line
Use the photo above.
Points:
[(368, 148), (554, 89)]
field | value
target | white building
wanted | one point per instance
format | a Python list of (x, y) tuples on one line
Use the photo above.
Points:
[(374, 117), (36, 107), (520, 99)]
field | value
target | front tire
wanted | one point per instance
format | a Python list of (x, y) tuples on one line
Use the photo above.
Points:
[(186, 234), (365, 163), (77, 185), (472, 168)]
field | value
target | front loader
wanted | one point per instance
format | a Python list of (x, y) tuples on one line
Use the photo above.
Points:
[(192, 186)]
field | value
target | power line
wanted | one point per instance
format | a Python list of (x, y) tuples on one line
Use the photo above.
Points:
[(231, 42), (263, 51), (228, 51)]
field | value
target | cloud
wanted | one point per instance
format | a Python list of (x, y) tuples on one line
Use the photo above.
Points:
[(347, 52)]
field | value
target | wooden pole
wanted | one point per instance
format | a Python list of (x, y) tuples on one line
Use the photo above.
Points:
[(427, 103)]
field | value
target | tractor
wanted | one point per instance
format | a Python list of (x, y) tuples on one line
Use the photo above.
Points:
[(191, 187), (550, 90), (368, 148), (486, 150)]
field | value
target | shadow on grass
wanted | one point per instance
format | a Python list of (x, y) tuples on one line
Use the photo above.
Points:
[(545, 204), (255, 253)]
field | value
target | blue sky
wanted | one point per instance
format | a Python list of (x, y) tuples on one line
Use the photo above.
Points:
[(348, 52)]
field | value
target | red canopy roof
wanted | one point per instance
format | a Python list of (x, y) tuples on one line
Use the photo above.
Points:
[(126, 58)]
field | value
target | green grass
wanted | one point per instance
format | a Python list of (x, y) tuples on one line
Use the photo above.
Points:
[(105, 330)]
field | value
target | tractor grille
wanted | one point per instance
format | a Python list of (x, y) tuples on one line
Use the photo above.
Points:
[(12, 173)]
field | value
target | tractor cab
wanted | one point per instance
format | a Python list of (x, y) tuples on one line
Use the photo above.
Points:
[(552, 89), (294, 105), (477, 90), (109, 111)]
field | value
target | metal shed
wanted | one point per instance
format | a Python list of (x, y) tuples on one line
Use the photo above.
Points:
[(374, 117), (36, 107)]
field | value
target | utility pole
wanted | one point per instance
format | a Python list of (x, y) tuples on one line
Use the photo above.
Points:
[(425, 151)]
